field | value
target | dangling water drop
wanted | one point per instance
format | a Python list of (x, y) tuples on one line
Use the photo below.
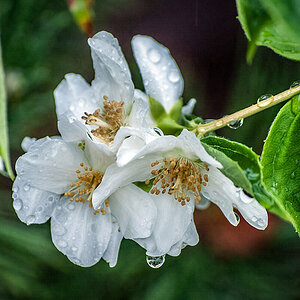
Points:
[(262, 103), (237, 218), (236, 124), (155, 262), (294, 84)]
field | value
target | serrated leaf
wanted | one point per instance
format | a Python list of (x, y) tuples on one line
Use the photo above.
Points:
[(4, 149), (281, 161), (175, 111), (271, 23), (242, 166)]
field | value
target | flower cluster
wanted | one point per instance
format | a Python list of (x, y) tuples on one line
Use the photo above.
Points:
[(112, 174)]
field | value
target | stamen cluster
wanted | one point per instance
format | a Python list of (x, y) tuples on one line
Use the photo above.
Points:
[(179, 177), (108, 122), (82, 190)]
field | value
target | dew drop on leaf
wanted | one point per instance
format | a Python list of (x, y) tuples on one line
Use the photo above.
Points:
[(155, 262), (295, 83), (261, 100), (236, 124)]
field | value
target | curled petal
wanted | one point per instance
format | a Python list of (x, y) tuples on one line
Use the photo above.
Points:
[(112, 75), (161, 75), (134, 210), (80, 234)]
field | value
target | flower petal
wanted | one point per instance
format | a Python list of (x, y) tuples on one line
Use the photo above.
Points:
[(74, 95), (32, 205), (172, 223), (190, 238), (161, 75), (80, 234), (112, 75), (45, 165), (189, 107), (116, 177), (221, 191), (111, 253), (134, 210), (140, 115)]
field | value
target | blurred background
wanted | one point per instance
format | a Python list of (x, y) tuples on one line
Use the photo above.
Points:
[(41, 43)]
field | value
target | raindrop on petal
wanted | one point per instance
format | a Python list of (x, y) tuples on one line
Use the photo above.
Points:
[(236, 124), (17, 204), (155, 262), (173, 77), (26, 188), (262, 103), (154, 55), (62, 243)]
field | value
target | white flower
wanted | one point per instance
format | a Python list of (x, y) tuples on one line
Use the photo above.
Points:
[(109, 103), (183, 174), (57, 179)]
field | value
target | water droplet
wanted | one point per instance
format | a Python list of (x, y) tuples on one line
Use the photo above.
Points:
[(58, 230), (254, 219), (154, 55), (26, 187), (237, 218), (51, 199), (30, 219), (15, 189), (262, 100), (236, 124), (173, 77), (155, 262), (40, 209), (71, 206), (295, 83), (74, 249), (62, 243), (293, 175), (146, 82), (261, 222), (17, 204)]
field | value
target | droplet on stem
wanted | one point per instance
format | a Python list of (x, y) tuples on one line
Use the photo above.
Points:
[(236, 124), (295, 83), (261, 100)]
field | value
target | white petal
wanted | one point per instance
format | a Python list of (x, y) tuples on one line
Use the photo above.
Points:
[(111, 253), (134, 210), (31, 204), (27, 142), (189, 107), (251, 210), (172, 223), (161, 75), (50, 165), (140, 115), (116, 177), (190, 238), (203, 204), (112, 75), (221, 191), (74, 95), (79, 234)]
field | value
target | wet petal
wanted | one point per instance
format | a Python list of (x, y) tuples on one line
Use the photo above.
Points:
[(161, 75), (80, 234), (172, 223), (45, 165), (111, 253), (112, 75), (190, 238), (74, 95), (134, 210), (27, 143), (32, 205)]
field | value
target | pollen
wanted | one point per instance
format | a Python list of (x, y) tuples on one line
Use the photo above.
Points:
[(179, 177), (109, 120), (82, 190)]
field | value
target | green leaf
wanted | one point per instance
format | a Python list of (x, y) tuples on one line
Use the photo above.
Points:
[(4, 149), (271, 23), (242, 166), (175, 111), (158, 112), (281, 159)]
